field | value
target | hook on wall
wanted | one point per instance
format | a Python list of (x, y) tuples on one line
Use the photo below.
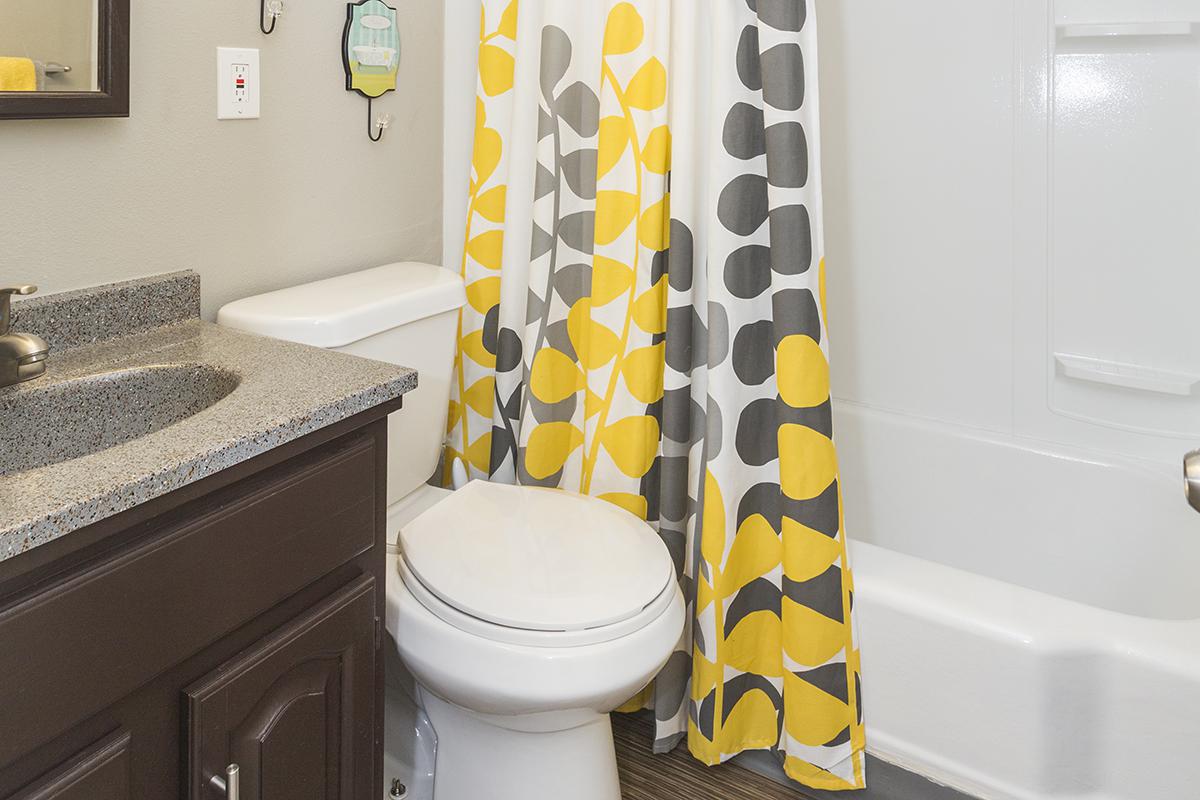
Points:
[(272, 9), (376, 125)]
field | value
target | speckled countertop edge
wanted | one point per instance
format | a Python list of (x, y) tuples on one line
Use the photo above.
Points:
[(286, 391)]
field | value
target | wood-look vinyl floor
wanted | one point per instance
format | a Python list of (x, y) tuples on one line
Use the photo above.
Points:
[(678, 776)]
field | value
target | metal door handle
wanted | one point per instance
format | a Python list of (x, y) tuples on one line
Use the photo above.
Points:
[(228, 785), (1191, 478)]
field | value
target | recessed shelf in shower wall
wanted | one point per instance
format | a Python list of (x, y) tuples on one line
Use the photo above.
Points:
[(1125, 238), (1124, 12), (1128, 376), (1116, 31)]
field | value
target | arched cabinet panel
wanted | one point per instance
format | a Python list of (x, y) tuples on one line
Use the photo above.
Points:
[(295, 713)]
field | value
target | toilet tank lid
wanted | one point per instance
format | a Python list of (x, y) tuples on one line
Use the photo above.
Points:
[(339, 311)]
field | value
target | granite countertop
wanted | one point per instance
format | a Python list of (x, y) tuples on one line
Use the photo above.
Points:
[(283, 391)]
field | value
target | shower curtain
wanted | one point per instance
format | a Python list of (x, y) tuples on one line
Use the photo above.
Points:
[(643, 259)]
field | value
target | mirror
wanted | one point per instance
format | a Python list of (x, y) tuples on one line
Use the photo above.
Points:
[(64, 58), (59, 39)]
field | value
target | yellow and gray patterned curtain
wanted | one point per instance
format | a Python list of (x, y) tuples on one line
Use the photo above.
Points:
[(643, 259)]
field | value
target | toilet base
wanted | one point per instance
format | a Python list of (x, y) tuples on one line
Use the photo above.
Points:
[(480, 760)]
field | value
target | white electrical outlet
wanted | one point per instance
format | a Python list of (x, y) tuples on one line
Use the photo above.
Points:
[(238, 86)]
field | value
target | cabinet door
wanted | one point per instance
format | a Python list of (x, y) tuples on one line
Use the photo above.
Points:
[(99, 773), (295, 713)]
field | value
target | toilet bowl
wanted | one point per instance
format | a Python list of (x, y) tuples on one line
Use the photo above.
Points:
[(526, 721), (538, 742), (525, 615)]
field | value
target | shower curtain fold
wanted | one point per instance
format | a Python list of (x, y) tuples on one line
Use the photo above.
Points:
[(646, 324)]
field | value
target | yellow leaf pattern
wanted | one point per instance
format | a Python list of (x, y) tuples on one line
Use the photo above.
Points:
[(614, 211), (479, 396), (484, 294), (554, 376), (610, 279), (473, 347), (650, 310), (654, 226), (550, 444), (643, 372), (487, 154), (633, 444), (508, 21), (594, 343), (658, 150), (623, 30), (487, 249), (480, 452), (614, 142), (648, 89), (491, 204), (495, 70), (599, 356)]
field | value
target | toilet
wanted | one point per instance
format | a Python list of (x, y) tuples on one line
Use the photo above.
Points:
[(526, 615)]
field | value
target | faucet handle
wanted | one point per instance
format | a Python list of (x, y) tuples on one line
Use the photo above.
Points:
[(1191, 478), (6, 293)]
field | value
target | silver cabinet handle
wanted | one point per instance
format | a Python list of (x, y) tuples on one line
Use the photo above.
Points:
[(1191, 478), (228, 785)]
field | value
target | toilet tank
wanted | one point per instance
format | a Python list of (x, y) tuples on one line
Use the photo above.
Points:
[(404, 313)]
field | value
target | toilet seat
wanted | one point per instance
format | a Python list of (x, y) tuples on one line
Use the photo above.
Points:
[(531, 638), (533, 566)]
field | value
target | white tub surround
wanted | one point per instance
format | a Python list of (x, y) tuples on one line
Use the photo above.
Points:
[(1011, 237), (1030, 616)]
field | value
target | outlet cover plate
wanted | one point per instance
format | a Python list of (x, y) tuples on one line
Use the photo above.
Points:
[(239, 89)]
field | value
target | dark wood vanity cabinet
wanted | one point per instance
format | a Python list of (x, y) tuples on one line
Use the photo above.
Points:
[(235, 621)]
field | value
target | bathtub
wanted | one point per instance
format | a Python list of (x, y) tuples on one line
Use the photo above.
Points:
[(1029, 616)]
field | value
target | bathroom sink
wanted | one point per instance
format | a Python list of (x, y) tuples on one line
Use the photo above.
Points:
[(44, 425)]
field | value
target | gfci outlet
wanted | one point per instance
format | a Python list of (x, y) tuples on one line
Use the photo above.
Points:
[(238, 86)]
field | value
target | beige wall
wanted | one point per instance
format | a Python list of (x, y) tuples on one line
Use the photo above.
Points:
[(251, 205), (62, 31)]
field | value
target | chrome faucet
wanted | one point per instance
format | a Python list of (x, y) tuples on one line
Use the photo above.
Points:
[(1191, 478), (22, 355)]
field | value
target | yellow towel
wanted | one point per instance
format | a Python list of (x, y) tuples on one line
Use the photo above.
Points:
[(17, 75)]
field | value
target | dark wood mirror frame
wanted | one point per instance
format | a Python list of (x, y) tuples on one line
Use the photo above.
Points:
[(112, 99)]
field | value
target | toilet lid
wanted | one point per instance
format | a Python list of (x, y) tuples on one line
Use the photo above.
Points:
[(536, 559)]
